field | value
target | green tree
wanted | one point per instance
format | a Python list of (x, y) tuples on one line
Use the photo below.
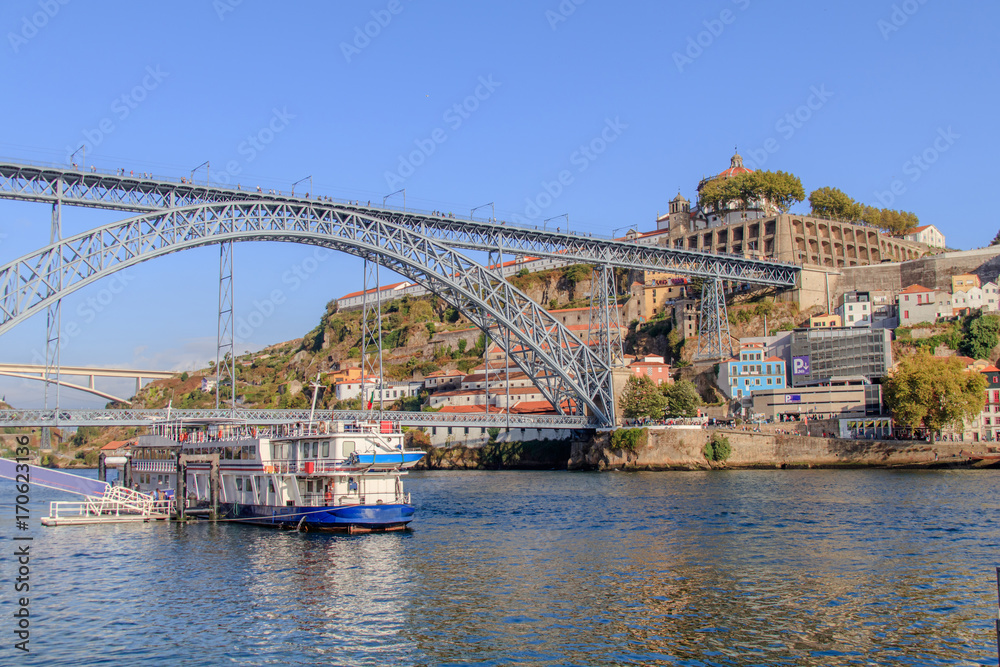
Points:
[(996, 239), (981, 336), (933, 392), (830, 202), (641, 399), (682, 397), (780, 188)]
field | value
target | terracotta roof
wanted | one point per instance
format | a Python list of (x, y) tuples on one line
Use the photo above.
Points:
[(915, 288), (117, 444), (774, 359), (991, 369)]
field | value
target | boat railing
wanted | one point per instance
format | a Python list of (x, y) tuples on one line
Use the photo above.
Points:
[(321, 499), (307, 467), (116, 501)]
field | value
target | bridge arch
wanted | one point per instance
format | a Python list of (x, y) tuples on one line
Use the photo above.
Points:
[(565, 370)]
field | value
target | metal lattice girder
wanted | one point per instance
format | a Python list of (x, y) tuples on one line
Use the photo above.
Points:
[(371, 332), (225, 353), (128, 193), (73, 418), (713, 323), (568, 374), (605, 322)]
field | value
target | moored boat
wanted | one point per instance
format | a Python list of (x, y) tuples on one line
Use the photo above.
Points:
[(327, 475)]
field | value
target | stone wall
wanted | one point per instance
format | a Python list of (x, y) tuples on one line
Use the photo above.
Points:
[(675, 449), (933, 272)]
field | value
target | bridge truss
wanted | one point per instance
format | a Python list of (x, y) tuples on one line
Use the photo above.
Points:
[(417, 244), (567, 372)]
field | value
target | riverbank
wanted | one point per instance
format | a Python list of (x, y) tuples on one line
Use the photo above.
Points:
[(665, 448)]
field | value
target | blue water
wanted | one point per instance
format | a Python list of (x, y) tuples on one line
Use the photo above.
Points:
[(543, 568)]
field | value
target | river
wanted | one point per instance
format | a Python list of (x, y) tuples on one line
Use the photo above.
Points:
[(753, 567)]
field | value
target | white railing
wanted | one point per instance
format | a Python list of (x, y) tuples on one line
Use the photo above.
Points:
[(320, 499), (116, 501)]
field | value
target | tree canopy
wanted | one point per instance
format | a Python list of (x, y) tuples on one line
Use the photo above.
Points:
[(933, 392), (641, 399), (779, 188), (996, 239), (682, 397), (981, 336), (830, 202), (827, 202)]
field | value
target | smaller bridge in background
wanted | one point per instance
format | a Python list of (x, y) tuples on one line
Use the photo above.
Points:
[(43, 374)]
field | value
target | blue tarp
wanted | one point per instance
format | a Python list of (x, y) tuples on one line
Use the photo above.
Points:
[(54, 479)]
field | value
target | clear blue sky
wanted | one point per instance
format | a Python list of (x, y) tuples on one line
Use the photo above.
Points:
[(856, 95)]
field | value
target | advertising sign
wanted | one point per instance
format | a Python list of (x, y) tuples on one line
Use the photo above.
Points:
[(800, 365)]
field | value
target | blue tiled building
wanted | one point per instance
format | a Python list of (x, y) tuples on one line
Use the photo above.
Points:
[(751, 371)]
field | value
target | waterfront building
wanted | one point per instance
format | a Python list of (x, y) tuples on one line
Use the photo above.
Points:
[(657, 296), (750, 371), (822, 356), (828, 401), (989, 418), (654, 367)]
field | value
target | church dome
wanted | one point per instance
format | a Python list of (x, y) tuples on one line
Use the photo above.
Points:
[(735, 167), (679, 198)]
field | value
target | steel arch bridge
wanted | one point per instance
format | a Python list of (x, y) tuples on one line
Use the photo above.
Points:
[(567, 372), (72, 187)]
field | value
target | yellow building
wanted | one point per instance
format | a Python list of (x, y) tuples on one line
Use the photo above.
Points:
[(657, 294), (963, 282), (825, 320)]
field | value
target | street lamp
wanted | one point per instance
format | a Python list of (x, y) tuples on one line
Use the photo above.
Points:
[(307, 178), (403, 190), (207, 174), (492, 207), (566, 215), (616, 229), (81, 148)]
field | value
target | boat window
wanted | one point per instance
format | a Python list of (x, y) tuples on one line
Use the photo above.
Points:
[(326, 448), (252, 449), (239, 483), (270, 486), (348, 447), (305, 449), (315, 449)]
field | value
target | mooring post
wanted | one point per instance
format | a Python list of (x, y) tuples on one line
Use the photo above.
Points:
[(181, 496), (102, 470), (213, 489)]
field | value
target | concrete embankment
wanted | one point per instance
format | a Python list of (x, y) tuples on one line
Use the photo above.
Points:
[(682, 449)]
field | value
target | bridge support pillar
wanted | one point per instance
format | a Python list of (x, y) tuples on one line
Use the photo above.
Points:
[(713, 323)]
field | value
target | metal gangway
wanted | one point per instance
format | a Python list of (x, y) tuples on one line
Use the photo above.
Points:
[(118, 504)]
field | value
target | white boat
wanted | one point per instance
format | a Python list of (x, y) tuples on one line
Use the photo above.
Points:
[(327, 475)]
